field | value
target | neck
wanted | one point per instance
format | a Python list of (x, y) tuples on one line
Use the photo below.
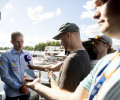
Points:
[(19, 51), (76, 47), (100, 55)]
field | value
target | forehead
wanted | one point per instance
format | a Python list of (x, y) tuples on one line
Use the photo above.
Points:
[(19, 38)]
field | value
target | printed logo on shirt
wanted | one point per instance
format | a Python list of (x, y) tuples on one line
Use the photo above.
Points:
[(14, 64), (14, 68)]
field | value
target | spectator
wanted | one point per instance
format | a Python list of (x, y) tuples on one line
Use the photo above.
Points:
[(76, 66), (101, 47)]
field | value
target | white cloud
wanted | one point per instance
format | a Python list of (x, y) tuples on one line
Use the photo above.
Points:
[(7, 7), (5, 39), (32, 41), (88, 7), (58, 12), (37, 15), (12, 20), (87, 14), (89, 31)]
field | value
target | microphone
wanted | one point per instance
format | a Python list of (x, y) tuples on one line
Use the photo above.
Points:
[(27, 59)]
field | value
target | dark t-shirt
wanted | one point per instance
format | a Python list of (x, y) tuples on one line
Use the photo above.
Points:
[(74, 69)]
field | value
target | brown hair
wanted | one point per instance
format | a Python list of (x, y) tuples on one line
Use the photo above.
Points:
[(15, 34)]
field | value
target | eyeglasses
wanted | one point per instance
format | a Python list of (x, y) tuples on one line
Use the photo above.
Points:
[(101, 39)]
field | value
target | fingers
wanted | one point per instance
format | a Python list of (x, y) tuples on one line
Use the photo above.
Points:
[(24, 89), (47, 70), (33, 83), (30, 66)]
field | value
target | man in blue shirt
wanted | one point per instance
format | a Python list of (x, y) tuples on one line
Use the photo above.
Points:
[(12, 69)]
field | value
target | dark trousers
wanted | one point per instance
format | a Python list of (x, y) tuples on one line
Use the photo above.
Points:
[(22, 97)]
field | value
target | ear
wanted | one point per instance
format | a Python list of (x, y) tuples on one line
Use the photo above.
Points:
[(68, 34), (106, 45), (11, 41)]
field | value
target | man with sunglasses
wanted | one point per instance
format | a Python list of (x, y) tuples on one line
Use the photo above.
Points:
[(101, 47)]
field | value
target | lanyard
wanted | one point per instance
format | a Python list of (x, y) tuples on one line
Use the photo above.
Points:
[(100, 78)]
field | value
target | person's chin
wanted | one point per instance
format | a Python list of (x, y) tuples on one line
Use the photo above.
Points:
[(20, 48), (103, 29)]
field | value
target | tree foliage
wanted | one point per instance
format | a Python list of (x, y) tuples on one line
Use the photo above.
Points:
[(39, 47)]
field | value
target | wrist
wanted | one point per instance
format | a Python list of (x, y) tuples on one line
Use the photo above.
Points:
[(35, 86), (52, 78), (21, 86)]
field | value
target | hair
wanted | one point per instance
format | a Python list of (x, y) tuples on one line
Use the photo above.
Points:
[(110, 50), (15, 34)]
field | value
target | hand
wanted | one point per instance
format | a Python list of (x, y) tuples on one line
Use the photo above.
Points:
[(51, 75), (31, 84), (31, 66), (24, 89)]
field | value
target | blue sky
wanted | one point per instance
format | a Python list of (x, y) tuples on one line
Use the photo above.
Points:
[(39, 20)]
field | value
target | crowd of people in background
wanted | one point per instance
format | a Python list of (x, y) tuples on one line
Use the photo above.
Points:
[(86, 73)]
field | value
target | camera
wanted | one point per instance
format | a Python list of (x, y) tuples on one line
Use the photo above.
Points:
[(88, 45)]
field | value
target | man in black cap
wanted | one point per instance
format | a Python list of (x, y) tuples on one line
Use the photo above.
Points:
[(76, 66)]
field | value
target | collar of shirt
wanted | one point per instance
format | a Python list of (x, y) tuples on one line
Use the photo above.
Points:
[(15, 52)]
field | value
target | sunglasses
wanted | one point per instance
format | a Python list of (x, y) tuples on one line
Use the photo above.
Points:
[(101, 39)]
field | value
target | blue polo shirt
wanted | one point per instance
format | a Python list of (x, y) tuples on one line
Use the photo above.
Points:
[(12, 68)]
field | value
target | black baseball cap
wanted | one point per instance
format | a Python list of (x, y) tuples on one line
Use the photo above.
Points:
[(67, 27)]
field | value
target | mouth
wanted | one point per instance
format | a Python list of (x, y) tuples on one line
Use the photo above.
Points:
[(100, 22)]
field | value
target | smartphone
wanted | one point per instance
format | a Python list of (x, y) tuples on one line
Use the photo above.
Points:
[(30, 75)]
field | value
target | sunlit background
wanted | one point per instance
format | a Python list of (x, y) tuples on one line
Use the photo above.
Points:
[(39, 20)]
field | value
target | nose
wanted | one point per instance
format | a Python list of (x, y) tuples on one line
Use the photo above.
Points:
[(97, 14), (20, 43)]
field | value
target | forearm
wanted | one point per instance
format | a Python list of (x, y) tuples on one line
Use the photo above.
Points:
[(53, 83), (42, 67), (47, 67), (52, 94), (10, 82)]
